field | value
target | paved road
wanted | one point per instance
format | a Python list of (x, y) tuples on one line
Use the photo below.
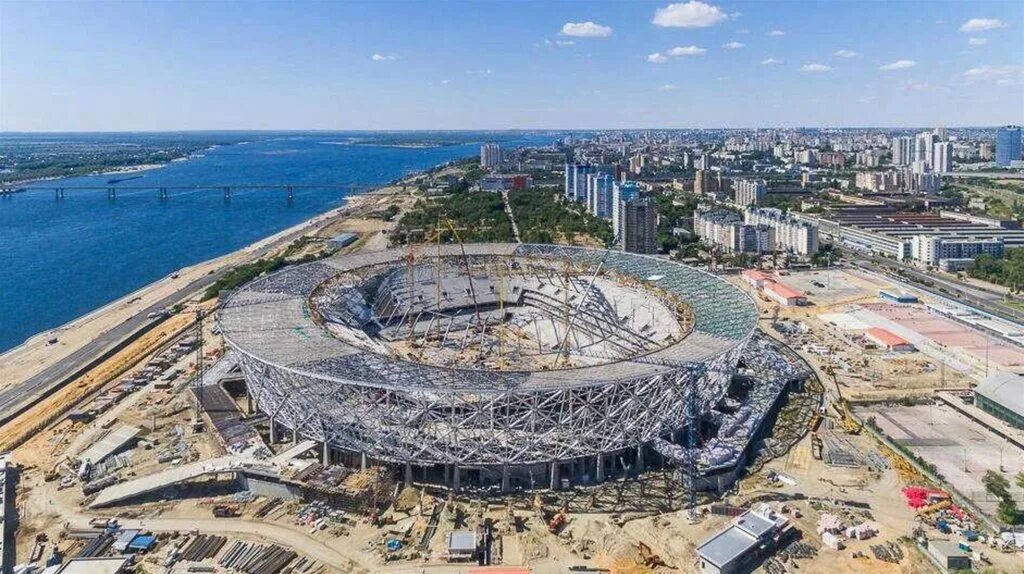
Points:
[(15, 400), (18, 398)]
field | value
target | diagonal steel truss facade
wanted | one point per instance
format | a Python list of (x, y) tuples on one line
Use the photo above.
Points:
[(425, 416)]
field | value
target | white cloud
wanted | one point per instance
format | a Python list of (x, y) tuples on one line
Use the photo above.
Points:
[(444, 82), (484, 72), (776, 33), (815, 68), (770, 61), (686, 51), (668, 88), (899, 65), (977, 41), (913, 85), (743, 31), (383, 57), (982, 25), (657, 58), (734, 45), (692, 14), (845, 53), (586, 30), (565, 42), (999, 74)]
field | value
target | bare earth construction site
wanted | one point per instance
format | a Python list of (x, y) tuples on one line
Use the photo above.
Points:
[(492, 364)]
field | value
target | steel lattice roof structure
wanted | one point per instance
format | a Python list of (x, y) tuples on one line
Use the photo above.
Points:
[(309, 342)]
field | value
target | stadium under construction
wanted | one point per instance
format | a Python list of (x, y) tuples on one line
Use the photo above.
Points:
[(508, 365)]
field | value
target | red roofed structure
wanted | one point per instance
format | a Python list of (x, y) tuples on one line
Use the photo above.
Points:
[(888, 340), (784, 295)]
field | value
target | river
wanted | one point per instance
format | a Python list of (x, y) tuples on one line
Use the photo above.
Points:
[(60, 259)]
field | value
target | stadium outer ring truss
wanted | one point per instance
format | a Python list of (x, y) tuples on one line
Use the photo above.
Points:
[(401, 412)]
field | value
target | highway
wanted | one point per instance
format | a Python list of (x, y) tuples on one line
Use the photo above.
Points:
[(18, 398), (988, 301)]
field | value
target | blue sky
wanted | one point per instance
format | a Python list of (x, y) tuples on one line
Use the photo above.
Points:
[(165, 65)]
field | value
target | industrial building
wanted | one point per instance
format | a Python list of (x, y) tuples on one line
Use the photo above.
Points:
[(1002, 395), (518, 365), (945, 240)]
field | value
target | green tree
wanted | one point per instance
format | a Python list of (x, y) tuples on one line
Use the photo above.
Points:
[(996, 484), (1007, 510)]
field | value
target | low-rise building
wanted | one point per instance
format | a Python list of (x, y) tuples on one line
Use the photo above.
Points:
[(1002, 395), (461, 545), (888, 340), (740, 547), (505, 182), (948, 555), (783, 295)]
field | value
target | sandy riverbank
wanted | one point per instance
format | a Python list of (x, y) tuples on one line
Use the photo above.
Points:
[(37, 353)]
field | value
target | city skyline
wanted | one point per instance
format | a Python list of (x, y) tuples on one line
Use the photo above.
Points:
[(502, 65)]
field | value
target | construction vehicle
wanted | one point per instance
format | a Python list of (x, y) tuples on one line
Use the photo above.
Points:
[(225, 511), (650, 559), (559, 519), (940, 505)]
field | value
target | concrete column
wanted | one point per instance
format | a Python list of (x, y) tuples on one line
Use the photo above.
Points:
[(505, 484), (640, 459), (273, 431), (599, 475), (249, 408), (295, 435), (408, 474), (554, 475), (362, 461), (455, 478), (327, 453)]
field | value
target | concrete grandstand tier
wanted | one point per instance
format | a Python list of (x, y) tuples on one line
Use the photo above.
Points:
[(504, 355)]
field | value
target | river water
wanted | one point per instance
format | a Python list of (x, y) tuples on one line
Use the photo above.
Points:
[(60, 259)]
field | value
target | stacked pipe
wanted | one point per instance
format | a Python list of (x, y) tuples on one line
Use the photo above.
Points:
[(202, 547), (253, 558)]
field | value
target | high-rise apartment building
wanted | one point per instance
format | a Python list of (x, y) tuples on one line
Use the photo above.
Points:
[(621, 193), (1007, 145), (749, 191), (576, 181), (923, 147), (599, 194), (903, 150), (727, 230), (942, 157), (490, 155), (791, 234), (640, 224)]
